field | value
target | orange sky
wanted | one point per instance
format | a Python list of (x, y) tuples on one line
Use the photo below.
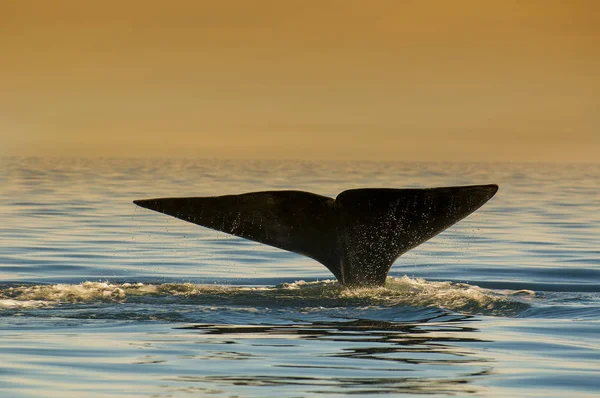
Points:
[(507, 80)]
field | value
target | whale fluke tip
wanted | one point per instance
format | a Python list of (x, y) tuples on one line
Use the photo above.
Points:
[(151, 204)]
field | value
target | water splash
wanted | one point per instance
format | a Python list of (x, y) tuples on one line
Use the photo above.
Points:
[(397, 292)]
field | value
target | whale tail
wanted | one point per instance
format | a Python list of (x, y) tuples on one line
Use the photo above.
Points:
[(357, 236)]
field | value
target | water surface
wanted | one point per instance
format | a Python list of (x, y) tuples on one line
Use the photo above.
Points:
[(100, 298)]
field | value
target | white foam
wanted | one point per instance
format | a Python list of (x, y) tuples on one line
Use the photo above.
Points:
[(403, 291), (8, 304), (417, 292)]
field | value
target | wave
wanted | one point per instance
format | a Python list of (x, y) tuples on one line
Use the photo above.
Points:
[(397, 292)]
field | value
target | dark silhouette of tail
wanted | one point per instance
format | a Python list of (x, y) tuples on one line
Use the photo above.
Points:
[(357, 236)]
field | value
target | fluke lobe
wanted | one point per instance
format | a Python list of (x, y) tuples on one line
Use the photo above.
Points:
[(357, 235)]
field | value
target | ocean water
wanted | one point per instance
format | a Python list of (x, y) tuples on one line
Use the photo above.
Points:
[(100, 298)]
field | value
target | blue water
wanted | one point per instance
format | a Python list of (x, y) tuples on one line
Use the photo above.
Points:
[(100, 298)]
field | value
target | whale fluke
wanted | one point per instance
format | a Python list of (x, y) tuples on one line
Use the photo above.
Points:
[(357, 236)]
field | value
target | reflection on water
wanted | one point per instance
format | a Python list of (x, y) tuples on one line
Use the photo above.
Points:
[(313, 385), (354, 357), (404, 345), (439, 354)]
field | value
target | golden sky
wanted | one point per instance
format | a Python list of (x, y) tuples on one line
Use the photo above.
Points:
[(507, 80)]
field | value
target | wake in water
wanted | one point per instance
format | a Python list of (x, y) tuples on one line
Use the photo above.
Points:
[(397, 292)]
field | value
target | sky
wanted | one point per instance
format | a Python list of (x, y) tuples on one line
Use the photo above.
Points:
[(407, 80)]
